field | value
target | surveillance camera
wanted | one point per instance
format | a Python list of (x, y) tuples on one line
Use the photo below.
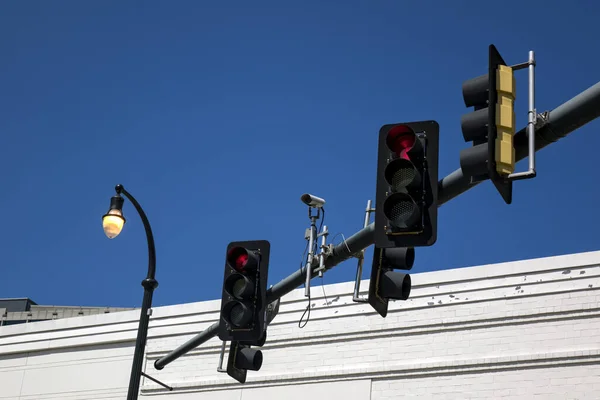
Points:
[(312, 201)]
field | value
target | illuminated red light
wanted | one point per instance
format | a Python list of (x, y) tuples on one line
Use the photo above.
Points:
[(240, 261), (238, 258), (400, 140)]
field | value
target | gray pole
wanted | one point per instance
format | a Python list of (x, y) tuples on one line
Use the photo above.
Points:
[(561, 121)]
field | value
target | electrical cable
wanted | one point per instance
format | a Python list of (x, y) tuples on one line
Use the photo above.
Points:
[(314, 251), (304, 313), (301, 262), (323, 287), (307, 310), (322, 221), (343, 241)]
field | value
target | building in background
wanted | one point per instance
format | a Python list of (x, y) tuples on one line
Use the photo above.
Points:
[(518, 330), (24, 310)]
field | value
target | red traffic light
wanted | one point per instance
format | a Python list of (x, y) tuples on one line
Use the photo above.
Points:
[(401, 139), (241, 260), (243, 316), (406, 186)]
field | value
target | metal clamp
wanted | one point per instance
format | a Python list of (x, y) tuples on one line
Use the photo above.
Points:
[(325, 251), (361, 259), (221, 357), (531, 120)]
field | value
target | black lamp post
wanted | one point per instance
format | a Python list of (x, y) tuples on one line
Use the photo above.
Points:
[(113, 222)]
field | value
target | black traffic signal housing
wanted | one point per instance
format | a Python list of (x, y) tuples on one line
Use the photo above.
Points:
[(241, 359), (244, 296), (407, 185), (385, 283), (490, 126)]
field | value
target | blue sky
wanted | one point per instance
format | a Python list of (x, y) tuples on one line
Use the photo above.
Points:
[(218, 116)]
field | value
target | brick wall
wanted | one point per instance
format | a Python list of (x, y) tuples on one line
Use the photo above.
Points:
[(521, 330)]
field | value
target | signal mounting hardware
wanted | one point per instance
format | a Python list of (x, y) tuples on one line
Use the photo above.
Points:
[(491, 126)]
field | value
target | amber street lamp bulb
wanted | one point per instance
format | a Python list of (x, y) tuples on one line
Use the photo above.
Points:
[(113, 220)]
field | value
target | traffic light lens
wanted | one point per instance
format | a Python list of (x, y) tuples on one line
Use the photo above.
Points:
[(239, 286), (238, 258), (239, 315), (401, 173), (240, 261), (401, 139), (401, 210)]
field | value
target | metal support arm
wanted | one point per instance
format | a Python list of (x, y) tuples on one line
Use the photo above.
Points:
[(531, 121), (561, 121)]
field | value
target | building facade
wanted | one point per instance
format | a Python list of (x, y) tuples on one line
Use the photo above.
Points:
[(24, 310), (520, 330)]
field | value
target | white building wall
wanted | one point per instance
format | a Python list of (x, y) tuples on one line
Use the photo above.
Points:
[(519, 330)]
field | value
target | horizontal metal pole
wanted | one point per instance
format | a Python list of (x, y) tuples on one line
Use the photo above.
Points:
[(191, 344), (561, 121)]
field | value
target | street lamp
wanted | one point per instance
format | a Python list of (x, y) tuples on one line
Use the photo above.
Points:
[(113, 220), (112, 223)]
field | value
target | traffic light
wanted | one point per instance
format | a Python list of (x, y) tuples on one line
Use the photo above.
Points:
[(491, 126), (241, 359), (406, 191), (385, 283), (244, 295)]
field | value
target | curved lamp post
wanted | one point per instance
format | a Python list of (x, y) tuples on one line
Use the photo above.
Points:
[(113, 222)]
